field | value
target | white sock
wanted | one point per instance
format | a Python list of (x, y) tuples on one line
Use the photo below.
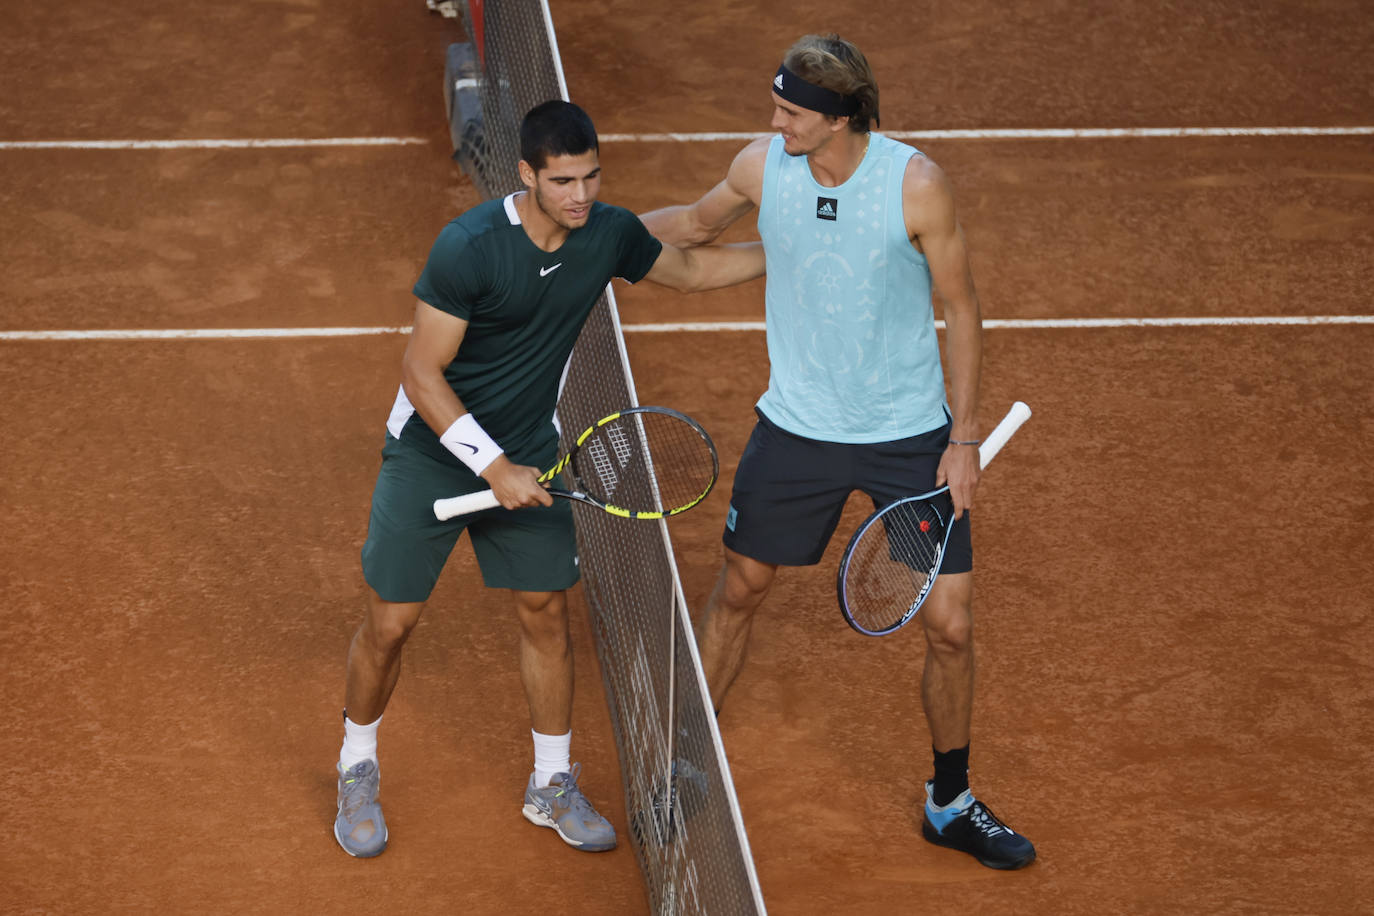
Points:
[(551, 753), (360, 743)]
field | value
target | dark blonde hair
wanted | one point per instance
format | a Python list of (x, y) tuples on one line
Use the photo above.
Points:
[(832, 63)]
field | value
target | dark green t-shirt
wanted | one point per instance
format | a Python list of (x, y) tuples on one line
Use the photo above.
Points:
[(524, 307)]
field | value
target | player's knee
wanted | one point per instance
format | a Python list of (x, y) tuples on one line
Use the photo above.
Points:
[(389, 625), (541, 605), (950, 631), (947, 614), (744, 583), (741, 596), (543, 615)]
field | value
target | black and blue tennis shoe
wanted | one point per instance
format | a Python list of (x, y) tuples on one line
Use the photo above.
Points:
[(968, 825)]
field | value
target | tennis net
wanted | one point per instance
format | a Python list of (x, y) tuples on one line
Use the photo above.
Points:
[(683, 816)]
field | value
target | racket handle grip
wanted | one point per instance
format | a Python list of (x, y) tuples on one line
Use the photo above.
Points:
[(445, 509), (1020, 412)]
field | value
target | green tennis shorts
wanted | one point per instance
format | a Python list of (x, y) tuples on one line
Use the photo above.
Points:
[(532, 550)]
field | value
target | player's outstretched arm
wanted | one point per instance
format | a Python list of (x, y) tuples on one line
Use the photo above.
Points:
[(709, 267), (701, 223)]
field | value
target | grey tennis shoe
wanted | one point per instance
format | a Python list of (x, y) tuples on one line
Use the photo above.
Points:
[(562, 806), (359, 827)]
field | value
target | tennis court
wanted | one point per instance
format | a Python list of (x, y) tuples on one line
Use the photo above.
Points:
[(1174, 570)]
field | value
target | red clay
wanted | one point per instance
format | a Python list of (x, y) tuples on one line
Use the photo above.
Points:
[(1173, 555)]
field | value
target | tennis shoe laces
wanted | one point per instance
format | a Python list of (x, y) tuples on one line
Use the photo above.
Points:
[(359, 826), (562, 806), (968, 825)]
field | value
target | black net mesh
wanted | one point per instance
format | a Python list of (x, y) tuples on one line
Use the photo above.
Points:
[(683, 819)]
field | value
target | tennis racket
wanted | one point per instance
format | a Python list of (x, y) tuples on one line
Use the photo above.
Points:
[(644, 462), (893, 558)]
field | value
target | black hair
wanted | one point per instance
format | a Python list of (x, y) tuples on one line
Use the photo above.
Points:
[(555, 128)]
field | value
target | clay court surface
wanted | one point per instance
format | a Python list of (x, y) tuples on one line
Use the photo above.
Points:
[(1174, 555)]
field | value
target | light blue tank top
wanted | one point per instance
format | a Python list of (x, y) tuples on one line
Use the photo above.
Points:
[(851, 334)]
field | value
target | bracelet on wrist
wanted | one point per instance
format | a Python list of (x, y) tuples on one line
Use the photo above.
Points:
[(965, 441), (470, 444)]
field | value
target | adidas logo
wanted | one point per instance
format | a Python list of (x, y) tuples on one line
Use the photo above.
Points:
[(777, 81), (826, 207)]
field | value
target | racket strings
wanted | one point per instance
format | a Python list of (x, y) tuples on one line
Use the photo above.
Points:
[(891, 564), (646, 462)]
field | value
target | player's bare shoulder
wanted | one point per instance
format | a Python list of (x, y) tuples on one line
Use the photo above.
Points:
[(927, 196), (746, 172), (924, 179)]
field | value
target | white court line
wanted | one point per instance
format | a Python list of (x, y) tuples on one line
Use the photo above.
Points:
[(278, 143), (991, 324), (198, 333), (1053, 133)]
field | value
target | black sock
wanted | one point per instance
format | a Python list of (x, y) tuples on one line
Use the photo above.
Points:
[(951, 775)]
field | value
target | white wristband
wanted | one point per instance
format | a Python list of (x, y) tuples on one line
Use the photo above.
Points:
[(470, 443)]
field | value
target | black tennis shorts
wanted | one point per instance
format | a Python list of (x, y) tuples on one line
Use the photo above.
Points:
[(790, 492)]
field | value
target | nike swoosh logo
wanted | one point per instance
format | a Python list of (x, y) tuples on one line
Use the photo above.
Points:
[(469, 445), (545, 271)]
